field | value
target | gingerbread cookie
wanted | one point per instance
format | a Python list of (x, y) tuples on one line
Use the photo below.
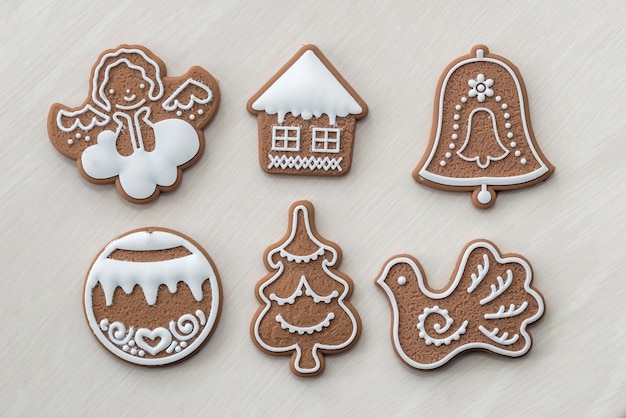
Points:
[(305, 312), (152, 297), (137, 128), (307, 117), (482, 140), (487, 305)]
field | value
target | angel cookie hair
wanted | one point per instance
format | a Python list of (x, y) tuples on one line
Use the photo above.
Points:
[(487, 305), (482, 140), (137, 128), (305, 311)]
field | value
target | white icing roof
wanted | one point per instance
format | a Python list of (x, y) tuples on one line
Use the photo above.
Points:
[(308, 88)]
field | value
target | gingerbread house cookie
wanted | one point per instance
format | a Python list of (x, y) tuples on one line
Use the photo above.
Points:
[(482, 140), (307, 117)]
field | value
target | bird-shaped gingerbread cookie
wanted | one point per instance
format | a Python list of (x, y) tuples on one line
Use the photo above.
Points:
[(138, 127), (487, 305)]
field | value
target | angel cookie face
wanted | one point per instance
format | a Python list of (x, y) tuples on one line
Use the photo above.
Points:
[(482, 140), (138, 127), (152, 297), (487, 305)]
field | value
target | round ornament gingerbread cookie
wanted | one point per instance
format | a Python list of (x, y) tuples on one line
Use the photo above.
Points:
[(152, 297)]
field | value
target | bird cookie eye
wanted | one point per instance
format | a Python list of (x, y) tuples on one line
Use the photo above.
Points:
[(401, 280)]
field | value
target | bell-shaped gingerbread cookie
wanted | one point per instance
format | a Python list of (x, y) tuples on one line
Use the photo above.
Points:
[(482, 140)]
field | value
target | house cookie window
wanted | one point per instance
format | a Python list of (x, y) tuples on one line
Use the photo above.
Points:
[(286, 138), (326, 140)]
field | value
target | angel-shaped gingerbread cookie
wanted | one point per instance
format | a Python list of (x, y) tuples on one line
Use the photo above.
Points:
[(137, 128)]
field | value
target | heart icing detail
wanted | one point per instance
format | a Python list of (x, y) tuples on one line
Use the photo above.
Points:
[(160, 333)]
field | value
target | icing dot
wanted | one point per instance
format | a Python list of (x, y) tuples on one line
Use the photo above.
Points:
[(452, 146), (70, 141), (125, 348), (177, 349), (457, 117), (506, 116), (507, 125), (509, 135), (505, 106), (498, 99), (87, 138), (484, 197), (142, 86), (200, 112), (192, 117), (133, 351), (457, 107), (442, 163), (183, 344), (78, 135), (131, 343), (513, 144), (179, 113), (455, 127), (463, 99), (104, 324), (141, 353), (111, 91), (401, 280), (448, 154), (523, 161), (455, 136), (127, 91), (518, 153)]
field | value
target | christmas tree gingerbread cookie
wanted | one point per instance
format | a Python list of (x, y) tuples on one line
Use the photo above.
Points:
[(137, 128), (482, 140), (152, 297), (306, 313), (487, 305)]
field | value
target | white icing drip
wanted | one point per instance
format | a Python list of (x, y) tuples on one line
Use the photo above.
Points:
[(482, 269), (428, 339), (172, 102), (307, 88), (493, 336), (193, 269), (500, 289), (512, 311), (307, 290), (98, 119), (302, 330), (301, 258)]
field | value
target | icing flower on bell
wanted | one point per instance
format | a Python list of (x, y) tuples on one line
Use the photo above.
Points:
[(480, 87)]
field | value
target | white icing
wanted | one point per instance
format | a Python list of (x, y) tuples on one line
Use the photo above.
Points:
[(161, 334), (484, 196), (326, 268), (448, 154), (176, 142), (305, 330), (493, 336), (193, 269), (401, 280), (310, 163), (428, 339), (507, 116), (304, 284), (505, 106), (523, 161), (512, 311), (477, 158), (509, 135), (70, 142), (423, 288), (97, 119), (482, 270), (307, 88), (481, 87), (500, 288), (455, 136), (518, 153), (172, 102), (442, 163), (476, 181), (452, 146)]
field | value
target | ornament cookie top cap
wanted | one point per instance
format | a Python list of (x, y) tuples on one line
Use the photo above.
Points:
[(482, 140), (137, 128), (307, 117)]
